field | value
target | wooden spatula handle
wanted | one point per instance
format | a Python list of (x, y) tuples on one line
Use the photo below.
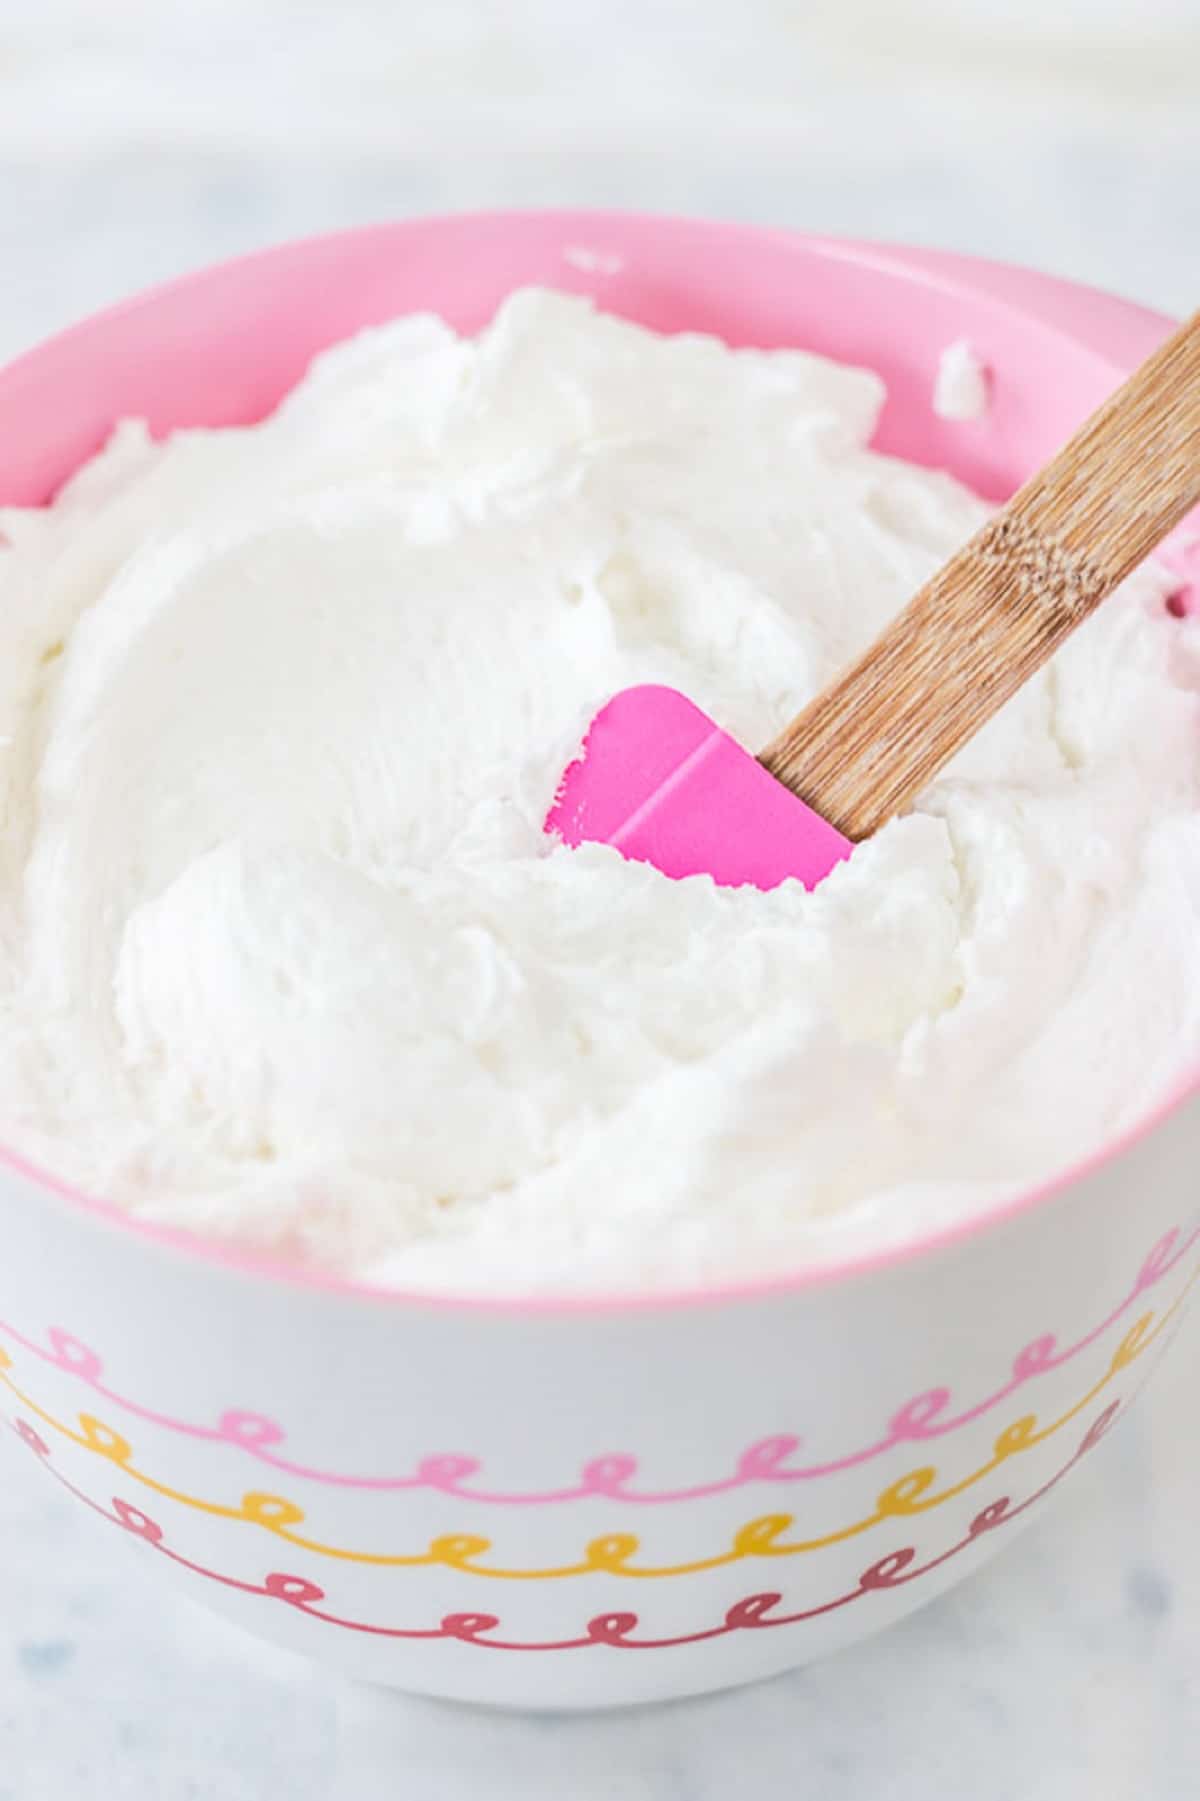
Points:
[(993, 615)]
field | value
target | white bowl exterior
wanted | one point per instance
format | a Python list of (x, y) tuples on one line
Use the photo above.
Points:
[(368, 1389)]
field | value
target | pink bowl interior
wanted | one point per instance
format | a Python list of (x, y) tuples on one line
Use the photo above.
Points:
[(221, 347)]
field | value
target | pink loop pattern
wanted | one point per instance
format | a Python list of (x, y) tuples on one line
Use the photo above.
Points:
[(612, 1476), (752, 1613)]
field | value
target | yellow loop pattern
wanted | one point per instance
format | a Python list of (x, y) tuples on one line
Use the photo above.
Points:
[(614, 1553)]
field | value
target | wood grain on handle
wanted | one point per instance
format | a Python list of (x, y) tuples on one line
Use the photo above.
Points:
[(993, 615)]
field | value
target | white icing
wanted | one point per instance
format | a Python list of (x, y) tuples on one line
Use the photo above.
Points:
[(960, 388), (286, 957)]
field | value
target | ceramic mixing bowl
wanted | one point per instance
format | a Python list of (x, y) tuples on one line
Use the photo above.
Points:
[(582, 1504)]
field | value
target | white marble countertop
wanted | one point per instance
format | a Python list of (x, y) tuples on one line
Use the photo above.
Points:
[(138, 140)]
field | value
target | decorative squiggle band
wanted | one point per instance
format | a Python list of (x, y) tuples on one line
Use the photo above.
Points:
[(611, 1476), (914, 1493), (755, 1612)]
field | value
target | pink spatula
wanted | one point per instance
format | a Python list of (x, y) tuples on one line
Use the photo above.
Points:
[(657, 779)]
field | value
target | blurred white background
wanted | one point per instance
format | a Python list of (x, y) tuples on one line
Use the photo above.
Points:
[(142, 137)]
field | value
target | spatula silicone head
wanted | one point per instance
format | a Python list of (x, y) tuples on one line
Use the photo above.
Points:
[(657, 779)]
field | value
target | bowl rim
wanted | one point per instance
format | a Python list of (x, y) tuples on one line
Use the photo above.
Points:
[(1010, 285)]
